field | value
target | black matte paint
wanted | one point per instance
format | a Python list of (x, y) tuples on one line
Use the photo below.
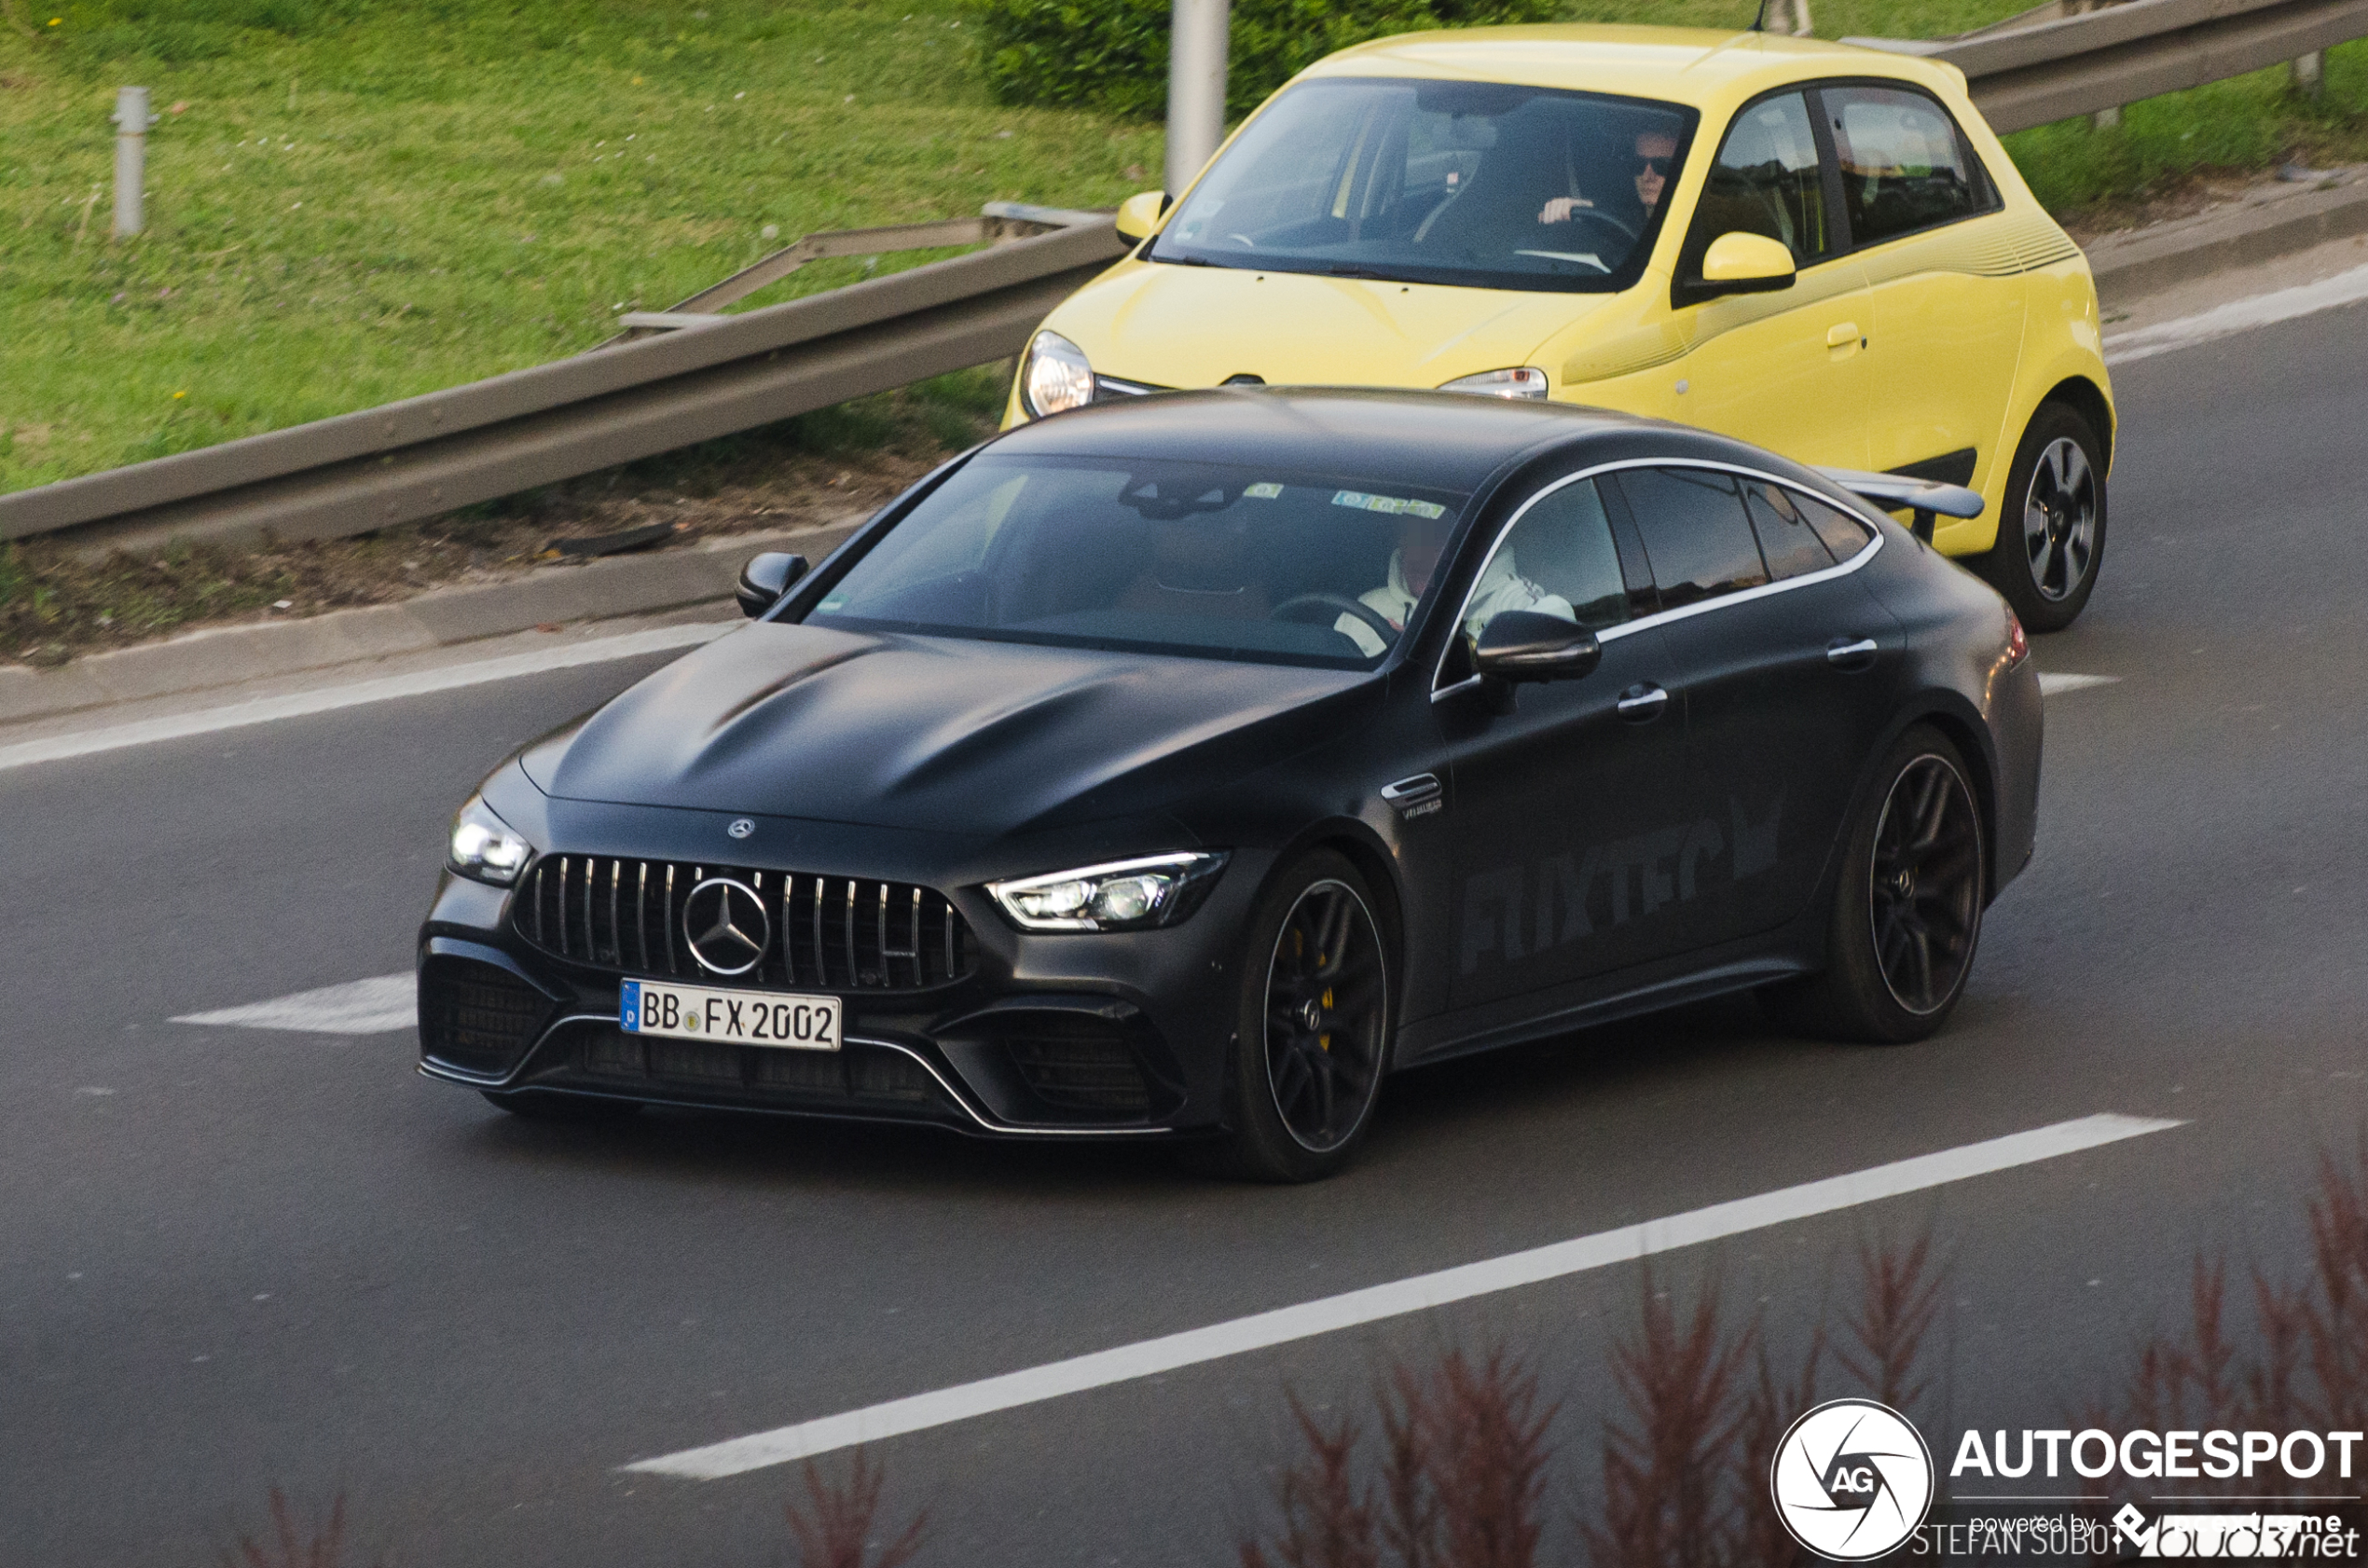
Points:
[(1574, 865)]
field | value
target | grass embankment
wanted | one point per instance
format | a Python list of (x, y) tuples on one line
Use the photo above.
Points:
[(374, 199)]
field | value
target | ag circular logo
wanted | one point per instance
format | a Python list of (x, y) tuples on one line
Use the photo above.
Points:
[(741, 827), (1853, 1480), (726, 925)]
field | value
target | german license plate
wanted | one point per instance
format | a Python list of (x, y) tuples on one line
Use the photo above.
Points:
[(651, 1007)]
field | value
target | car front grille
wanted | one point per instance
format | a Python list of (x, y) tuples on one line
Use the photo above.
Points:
[(1081, 1074), (475, 1017), (832, 933)]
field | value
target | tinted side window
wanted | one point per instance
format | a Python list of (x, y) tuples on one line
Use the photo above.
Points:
[(1904, 166), (1766, 181), (1843, 534), (1561, 551), (1786, 537), (1695, 530)]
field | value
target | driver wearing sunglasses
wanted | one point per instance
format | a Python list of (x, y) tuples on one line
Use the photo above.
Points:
[(1655, 158)]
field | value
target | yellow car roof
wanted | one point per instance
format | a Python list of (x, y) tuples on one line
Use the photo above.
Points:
[(1689, 66)]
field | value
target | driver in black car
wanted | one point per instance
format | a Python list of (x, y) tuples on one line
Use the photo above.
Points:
[(1420, 541)]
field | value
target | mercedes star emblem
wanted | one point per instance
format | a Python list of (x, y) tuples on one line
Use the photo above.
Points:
[(726, 925), (741, 827)]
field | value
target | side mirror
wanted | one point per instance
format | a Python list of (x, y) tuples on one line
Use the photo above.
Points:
[(1140, 214), (1525, 645), (1745, 264), (765, 579)]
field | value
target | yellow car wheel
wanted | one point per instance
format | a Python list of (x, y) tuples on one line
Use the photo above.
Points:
[(2051, 539)]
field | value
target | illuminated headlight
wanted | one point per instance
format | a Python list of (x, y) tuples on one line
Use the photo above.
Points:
[(486, 847), (1122, 896), (1528, 381), (1055, 378)]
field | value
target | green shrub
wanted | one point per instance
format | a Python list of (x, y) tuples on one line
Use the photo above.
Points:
[(1111, 55)]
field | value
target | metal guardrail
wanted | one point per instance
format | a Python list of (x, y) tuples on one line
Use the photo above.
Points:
[(713, 375), (2104, 58), (428, 455)]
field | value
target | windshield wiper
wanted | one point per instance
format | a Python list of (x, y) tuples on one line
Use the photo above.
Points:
[(1350, 270)]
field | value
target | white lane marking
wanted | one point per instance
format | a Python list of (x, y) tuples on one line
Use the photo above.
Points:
[(265, 710), (376, 1005), (1151, 1357), (2237, 315), (2050, 684)]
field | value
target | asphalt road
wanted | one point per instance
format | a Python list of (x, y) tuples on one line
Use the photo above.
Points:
[(237, 1258)]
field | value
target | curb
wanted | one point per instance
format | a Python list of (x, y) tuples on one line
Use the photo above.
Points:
[(227, 655), (2266, 222)]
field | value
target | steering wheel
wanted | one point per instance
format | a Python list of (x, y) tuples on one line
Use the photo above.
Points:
[(1290, 611), (1592, 215)]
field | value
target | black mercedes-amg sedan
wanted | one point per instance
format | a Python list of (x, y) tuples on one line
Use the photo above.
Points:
[(1183, 765)]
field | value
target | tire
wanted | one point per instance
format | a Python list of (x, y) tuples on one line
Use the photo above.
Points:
[(573, 1109), (1312, 1033), (2051, 535), (1907, 912)]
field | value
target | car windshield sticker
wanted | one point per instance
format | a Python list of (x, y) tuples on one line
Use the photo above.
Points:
[(1262, 492), (1396, 506)]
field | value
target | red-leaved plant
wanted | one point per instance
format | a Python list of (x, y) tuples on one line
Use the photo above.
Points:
[(832, 1527), (1463, 1464)]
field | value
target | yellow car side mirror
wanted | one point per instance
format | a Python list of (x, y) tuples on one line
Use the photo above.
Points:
[(1746, 264), (1140, 214)]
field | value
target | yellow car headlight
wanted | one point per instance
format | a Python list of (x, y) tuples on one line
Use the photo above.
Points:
[(1056, 376), (1527, 381)]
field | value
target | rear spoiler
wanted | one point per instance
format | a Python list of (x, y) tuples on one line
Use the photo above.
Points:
[(1899, 493)]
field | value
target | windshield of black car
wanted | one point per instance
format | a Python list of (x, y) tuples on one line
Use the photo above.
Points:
[(1474, 184), (1207, 559)]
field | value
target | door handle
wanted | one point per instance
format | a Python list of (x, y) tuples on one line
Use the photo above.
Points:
[(1846, 653), (1841, 335), (1643, 704)]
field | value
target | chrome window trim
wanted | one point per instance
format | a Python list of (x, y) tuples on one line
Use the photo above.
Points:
[(1659, 617)]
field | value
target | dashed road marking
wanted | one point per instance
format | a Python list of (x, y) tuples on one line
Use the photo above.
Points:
[(2050, 684), (378, 1006), (2237, 315), (1151, 1357), (296, 705)]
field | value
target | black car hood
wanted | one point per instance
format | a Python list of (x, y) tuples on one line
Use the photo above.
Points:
[(935, 733)]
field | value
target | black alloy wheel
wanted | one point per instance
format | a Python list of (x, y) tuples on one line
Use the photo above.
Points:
[(1313, 1026), (1925, 885), (1907, 909), (2051, 537)]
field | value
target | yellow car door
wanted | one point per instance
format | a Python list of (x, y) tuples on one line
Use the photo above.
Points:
[(1785, 369), (1946, 285)]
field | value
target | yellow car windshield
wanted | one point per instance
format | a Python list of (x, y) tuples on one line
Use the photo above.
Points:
[(1473, 184)]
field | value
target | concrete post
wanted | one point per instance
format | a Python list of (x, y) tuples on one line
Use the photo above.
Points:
[(1195, 89), (2105, 119), (131, 159), (2311, 74)]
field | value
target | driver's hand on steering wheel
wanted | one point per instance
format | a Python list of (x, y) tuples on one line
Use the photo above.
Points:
[(1560, 208)]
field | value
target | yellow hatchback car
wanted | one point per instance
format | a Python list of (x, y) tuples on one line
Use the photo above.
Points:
[(1816, 248)]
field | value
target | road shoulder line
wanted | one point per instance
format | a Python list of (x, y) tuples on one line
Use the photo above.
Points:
[(1398, 1298)]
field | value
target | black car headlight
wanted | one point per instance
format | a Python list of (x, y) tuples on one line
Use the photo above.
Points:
[(486, 848), (1118, 896), (1055, 378)]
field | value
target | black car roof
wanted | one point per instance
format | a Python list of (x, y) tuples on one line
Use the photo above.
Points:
[(1444, 440)]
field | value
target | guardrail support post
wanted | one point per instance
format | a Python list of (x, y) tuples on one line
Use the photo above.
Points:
[(2311, 74), (1196, 87), (131, 159), (2105, 119)]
